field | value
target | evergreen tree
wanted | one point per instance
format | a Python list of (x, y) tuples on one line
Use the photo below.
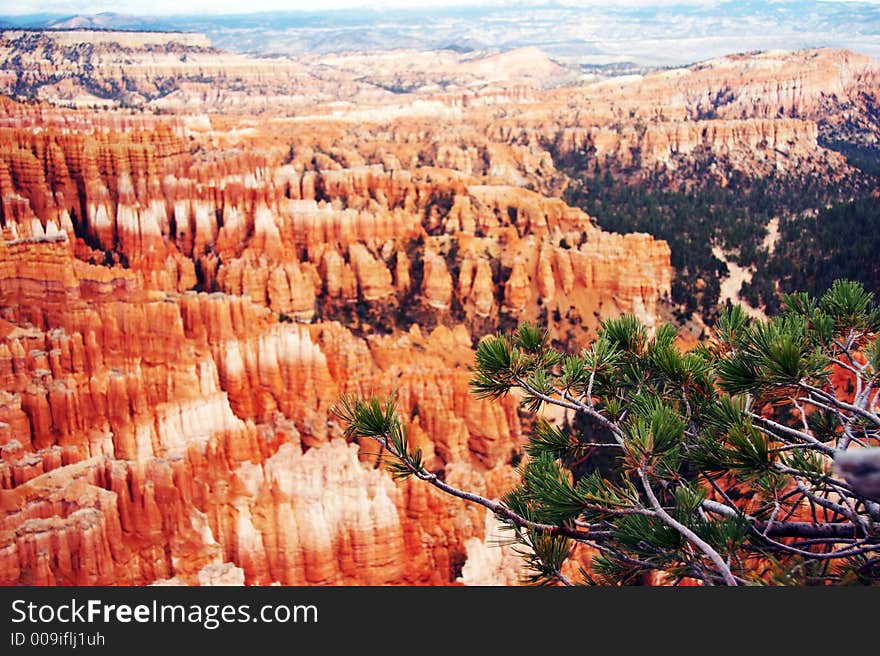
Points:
[(751, 459)]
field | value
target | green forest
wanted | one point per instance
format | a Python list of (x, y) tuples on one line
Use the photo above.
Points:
[(827, 229), (816, 249)]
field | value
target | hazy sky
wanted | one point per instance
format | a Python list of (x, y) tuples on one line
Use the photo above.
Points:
[(167, 7)]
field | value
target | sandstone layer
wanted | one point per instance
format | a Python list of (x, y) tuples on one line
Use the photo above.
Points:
[(178, 322), (185, 295)]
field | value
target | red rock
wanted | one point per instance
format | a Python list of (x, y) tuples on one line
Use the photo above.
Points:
[(160, 419)]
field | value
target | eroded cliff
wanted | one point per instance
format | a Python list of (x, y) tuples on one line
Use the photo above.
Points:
[(178, 320)]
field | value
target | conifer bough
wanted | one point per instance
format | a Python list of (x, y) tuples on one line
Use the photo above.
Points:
[(752, 459)]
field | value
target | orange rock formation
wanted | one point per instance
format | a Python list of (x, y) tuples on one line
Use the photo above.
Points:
[(183, 298), (165, 413)]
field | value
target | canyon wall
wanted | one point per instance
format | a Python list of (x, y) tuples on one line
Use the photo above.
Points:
[(177, 321), (148, 435)]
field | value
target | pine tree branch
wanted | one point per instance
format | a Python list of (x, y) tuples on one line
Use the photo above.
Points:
[(848, 436), (776, 509), (589, 390), (505, 512), (692, 537), (830, 505), (809, 542), (619, 555), (562, 578), (840, 363), (843, 487), (863, 398), (721, 509), (769, 424), (866, 394), (803, 414), (620, 512), (548, 399), (843, 405), (848, 552), (789, 447), (498, 508), (808, 530), (786, 529), (846, 349), (571, 404), (780, 528), (824, 406)]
